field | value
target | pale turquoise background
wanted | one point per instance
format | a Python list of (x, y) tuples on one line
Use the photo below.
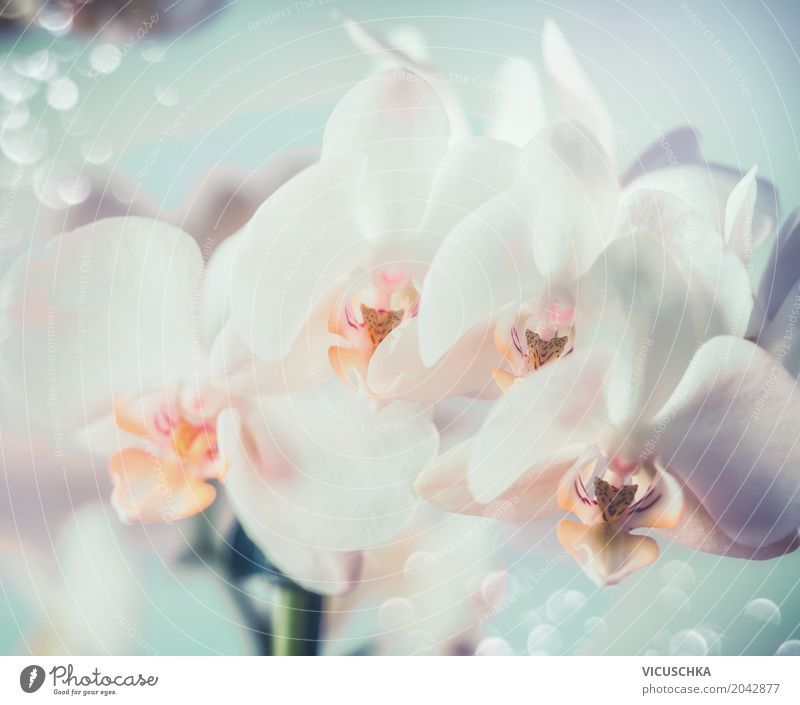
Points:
[(653, 61)]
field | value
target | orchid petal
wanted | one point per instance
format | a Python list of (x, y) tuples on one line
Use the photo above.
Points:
[(739, 215), (471, 173), (673, 149), (729, 433), (151, 489), (224, 199), (104, 310), (483, 264), (579, 99), (706, 188), (705, 261), (404, 48), (532, 497), (397, 120), (698, 531), (515, 111), (396, 370), (781, 337), (322, 471), (573, 198), (550, 417), (292, 252), (780, 274), (236, 370), (459, 419), (217, 282), (659, 282)]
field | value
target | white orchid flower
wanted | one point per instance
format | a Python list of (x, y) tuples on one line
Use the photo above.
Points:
[(101, 324), (639, 407), (328, 273), (511, 270)]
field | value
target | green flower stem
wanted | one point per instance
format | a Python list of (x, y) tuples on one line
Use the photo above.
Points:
[(297, 620)]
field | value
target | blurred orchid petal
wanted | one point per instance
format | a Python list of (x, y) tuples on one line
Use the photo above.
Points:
[(575, 198), (699, 532), (150, 489), (673, 149), (515, 110), (396, 370), (107, 309), (580, 100), (470, 174), (406, 50), (706, 188), (334, 490), (739, 216), (780, 274), (780, 337), (397, 121)]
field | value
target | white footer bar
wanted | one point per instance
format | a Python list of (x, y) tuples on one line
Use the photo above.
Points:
[(401, 680)]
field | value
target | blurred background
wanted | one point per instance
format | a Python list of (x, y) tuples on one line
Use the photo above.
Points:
[(194, 111)]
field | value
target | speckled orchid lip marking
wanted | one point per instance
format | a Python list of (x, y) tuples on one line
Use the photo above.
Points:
[(380, 322), (541, 351), (615, 502)]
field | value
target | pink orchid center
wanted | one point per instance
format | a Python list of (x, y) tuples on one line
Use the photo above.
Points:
[(193, 442), (536, 339), (374, 311), (192, 437)]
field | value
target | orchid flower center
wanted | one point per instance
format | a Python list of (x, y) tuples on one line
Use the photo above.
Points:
[(379, 322), (193, 442), (535, 337), (191, 437), (384, 300), (384, 304), (614, 502), (167, 473), (541, 351), (370, 312), (604, 542)]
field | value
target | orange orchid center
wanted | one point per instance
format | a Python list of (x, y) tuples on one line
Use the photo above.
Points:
[(194, 441), (167, 475)]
